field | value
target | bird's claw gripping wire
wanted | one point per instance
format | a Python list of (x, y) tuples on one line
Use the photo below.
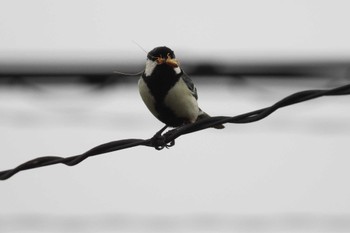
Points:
[(159, 141)]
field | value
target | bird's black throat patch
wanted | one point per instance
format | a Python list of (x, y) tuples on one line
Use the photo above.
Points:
[(162, 79)]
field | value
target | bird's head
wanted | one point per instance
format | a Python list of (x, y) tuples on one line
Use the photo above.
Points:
[(161, 56)]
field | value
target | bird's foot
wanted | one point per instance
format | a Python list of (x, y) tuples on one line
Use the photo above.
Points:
[(159, 140)]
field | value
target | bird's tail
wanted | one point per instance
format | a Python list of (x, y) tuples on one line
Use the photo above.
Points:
[(203, 115)]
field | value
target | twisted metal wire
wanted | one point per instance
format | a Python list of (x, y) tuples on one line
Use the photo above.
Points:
[(165, 140)]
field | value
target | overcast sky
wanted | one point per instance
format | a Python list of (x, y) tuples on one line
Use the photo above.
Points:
[(240, 29)]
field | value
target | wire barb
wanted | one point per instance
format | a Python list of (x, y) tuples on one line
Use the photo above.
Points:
[(165, 140)]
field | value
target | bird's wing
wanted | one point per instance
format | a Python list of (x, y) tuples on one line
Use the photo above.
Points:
[(190, 85)]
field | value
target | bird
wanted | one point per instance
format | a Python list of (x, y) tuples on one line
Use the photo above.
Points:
[(168, 92)]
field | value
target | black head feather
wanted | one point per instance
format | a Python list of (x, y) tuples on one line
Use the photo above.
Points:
[(162, 51)]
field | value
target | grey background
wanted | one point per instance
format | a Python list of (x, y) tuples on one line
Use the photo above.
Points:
[(286, 173)]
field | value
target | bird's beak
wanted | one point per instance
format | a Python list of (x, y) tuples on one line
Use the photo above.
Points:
[(169, 61), (172, 62)]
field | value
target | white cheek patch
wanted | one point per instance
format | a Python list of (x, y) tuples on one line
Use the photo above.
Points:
[(150, 65), (177, 70)]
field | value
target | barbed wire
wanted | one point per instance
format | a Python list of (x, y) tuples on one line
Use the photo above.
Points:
[(165, 140)]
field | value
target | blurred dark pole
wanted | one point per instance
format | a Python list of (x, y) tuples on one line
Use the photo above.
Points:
[(99, 73)]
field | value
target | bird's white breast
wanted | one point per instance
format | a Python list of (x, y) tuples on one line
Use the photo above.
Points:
[(181, 101), (147, 97)]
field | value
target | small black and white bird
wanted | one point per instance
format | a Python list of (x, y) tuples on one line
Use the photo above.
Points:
[(167, 91)]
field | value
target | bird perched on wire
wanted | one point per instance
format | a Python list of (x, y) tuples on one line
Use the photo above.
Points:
[(167, 91)]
